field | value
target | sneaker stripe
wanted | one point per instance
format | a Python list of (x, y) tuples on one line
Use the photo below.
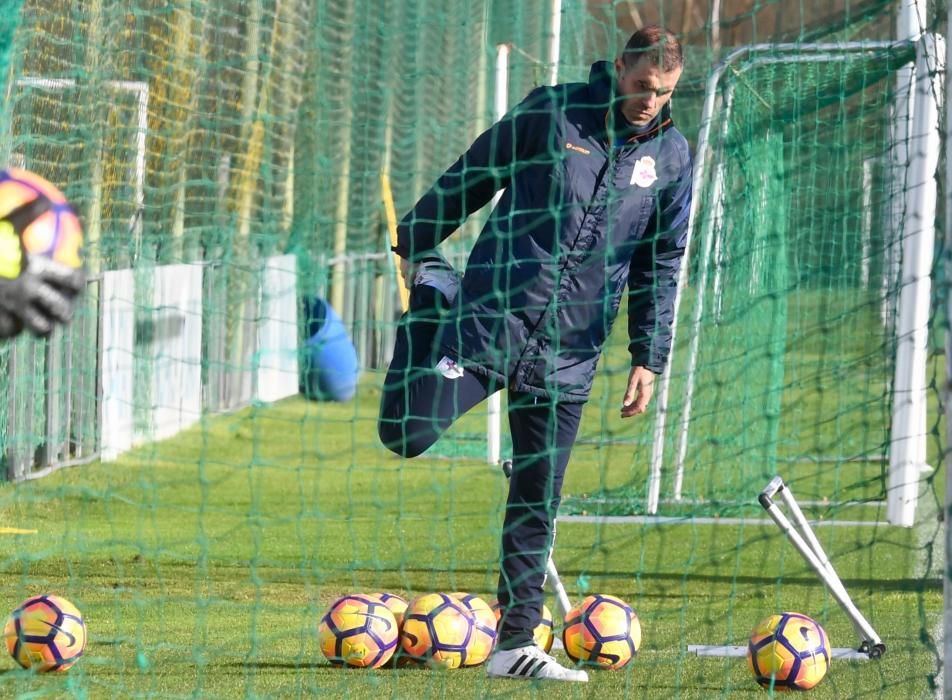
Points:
[(533, 664), (515, 667)]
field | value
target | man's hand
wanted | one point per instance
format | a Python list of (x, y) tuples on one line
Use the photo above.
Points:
[(43, 295), (638, 394), (408, 271)]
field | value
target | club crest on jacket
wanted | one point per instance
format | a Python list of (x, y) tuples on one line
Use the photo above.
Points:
[(644, 173)]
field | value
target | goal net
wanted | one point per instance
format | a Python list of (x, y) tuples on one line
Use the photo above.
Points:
[(169, 467)]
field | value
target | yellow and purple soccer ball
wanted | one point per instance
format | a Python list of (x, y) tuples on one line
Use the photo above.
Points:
[(484, 620), (438, 630), (603, 632), (543, 635), (788, 651), (396, 604), (358, 630), (45, 633), (36, 219)]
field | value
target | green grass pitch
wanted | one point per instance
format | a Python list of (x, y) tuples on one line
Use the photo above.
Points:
[(203, 564)]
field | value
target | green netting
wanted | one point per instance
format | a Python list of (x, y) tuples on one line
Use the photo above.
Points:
[(793, 361), (230, 159)]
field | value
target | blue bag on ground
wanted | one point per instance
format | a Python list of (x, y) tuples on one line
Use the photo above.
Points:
[(329, 366)]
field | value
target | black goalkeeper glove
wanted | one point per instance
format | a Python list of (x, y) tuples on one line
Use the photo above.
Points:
[(43, 295)]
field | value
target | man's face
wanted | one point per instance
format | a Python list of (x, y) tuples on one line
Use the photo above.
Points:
[(645, 89)]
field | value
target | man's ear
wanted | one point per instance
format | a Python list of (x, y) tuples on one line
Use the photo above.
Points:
[(619, 67)]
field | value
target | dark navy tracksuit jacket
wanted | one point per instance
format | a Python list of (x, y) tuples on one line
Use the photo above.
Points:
[(587, 209)]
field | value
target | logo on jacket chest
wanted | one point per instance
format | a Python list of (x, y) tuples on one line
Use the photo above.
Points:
[(644, 174)]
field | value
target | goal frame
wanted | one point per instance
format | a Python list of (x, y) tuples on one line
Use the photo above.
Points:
[(907, 438)]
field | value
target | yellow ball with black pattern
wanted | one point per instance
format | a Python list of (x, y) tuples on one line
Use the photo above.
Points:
[(543, 635), (45, 633), (35, 219), (438, 630), (603, 631), (789, 651), (484, 619), (358, 630)]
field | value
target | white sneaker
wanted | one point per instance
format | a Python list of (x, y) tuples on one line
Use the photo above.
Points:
[(530, 663), (434, 271)]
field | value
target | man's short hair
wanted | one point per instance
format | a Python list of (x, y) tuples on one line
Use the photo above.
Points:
[(658, 44)]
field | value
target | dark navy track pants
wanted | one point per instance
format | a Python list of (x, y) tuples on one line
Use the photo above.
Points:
[(419, 404)]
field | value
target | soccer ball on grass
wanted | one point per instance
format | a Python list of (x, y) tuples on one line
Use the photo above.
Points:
[(358, 630), (789, 651), (396, 605), (603, 631), (544, 633), (484, 622), (438, 630), (45, 633)]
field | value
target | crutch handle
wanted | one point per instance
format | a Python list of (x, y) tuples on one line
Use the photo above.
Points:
[(770, 490)]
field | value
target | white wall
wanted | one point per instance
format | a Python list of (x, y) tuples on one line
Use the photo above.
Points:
[(276, 359), (173, 347), (152, 335), (117, 353)]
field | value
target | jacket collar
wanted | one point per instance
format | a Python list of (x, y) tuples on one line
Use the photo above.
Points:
[(617, 129)]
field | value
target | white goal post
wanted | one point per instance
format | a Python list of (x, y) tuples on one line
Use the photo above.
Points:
[(494, 403)]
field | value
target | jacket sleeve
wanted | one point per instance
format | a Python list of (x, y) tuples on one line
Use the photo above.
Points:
[(470, 183), (653, 276)]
